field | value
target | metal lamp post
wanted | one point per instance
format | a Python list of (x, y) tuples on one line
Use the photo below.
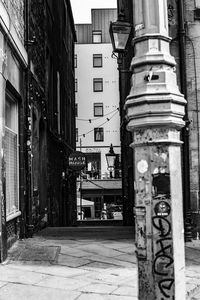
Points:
[(154, 112), (111, 157)]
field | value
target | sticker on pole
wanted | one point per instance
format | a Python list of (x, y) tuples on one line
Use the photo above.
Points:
[(162, 209), (77, 161), (142, 166)]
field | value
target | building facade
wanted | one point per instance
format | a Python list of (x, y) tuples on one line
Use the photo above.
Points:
[(60, 95), (183, 20), (13, 64), (97, 107), (36, 138), (184, 27)]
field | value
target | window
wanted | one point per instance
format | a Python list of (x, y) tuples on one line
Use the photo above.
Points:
[(98, 134), (76, 85), (76, 110), (93, 166), (98, 84), (197, 3), (97, 60), (75, 61), (98, 109), (11, 157), (76, 134), (96, 36)]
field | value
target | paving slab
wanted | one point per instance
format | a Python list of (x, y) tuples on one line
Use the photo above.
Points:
[(70, 261), (105, 297), (76, 252), (31, 292), (36, 269), (57, 282), (125, 291), (100, 250), (127, 258), (19, 276), (109, 260), (99, 288)]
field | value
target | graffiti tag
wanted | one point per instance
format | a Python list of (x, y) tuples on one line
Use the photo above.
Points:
[(163, 261)]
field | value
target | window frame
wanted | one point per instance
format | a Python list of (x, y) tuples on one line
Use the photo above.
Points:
[(97, 105), (99, 130), (96, 33), (97, 81), (98, 56), (76, 134)]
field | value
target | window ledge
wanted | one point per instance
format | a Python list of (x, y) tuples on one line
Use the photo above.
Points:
[(13, 216)]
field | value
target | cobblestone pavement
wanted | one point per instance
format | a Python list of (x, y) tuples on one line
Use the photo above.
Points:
[(83, 264)]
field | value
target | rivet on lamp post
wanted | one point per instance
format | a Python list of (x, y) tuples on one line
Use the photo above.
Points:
[(110, 158)]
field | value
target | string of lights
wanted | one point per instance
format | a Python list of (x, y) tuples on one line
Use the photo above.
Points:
[(107, 120), (94, 119)]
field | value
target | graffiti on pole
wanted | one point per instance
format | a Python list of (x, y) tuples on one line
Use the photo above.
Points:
[(163, 260)]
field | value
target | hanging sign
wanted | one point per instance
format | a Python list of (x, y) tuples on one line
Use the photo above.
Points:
[(77, 161)]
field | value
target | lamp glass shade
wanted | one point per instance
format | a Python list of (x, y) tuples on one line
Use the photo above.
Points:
[(120, 34), (110, 157), (110, 160)]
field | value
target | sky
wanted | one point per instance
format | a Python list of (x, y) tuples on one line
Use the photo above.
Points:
[(82, 8)]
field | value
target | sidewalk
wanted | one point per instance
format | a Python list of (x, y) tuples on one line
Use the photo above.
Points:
[(81, 263), (192, 252)]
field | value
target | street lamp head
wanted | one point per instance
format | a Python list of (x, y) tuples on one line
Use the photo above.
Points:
[(111, 157), (120, 34)]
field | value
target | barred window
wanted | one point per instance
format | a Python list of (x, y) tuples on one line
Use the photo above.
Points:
[(11, 156)]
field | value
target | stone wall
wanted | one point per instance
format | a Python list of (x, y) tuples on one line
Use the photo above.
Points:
[(15, 9)]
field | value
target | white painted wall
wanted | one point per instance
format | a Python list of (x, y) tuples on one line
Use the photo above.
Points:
[(85, 97)]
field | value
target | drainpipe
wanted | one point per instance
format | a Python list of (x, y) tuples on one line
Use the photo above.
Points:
[(126, 6), (185, 130)]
